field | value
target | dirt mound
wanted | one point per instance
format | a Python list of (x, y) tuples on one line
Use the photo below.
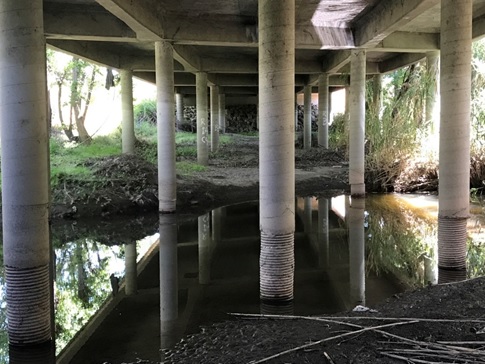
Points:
[(430, 325)]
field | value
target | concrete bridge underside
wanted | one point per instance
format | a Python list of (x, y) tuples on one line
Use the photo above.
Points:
[(266, 48)]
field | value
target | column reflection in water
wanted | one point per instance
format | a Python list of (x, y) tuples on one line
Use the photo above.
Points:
[(37, 354), (131, 286), (323, 241), (355, 223), (449, 276), (204, 248), (168, 279), (307, 215), (216, 226)]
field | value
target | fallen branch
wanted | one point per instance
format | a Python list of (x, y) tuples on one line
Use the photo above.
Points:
[(328, 357), (407, 360), (373, 328), (333, 318), (439, 348)]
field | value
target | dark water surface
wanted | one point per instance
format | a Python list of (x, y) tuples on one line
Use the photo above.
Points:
[(201, 270)]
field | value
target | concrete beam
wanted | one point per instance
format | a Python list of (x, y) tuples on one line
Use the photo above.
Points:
[(371, 68), (207, 30), (252, 90), (142, 16), (406, 42), (316, 37), (233, 80), (400, 61), (231, 31), (229, 65), (143, 63), (478, 28), (342, 80), (84, 23), (387, 17), (181, 79), (334, 61), (94, 52), (188, 57)]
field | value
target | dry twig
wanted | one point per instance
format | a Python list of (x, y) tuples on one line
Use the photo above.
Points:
[(373, 328)]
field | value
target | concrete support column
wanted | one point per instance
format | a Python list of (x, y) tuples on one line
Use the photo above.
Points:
[(168, 279), (167, 183), (131, 273), (323, 110), (277, 147), (25, 176), (179, 106), (204, 248), (357, 123), (214, 118), (222, 113), (432, 94), (127, 118), (355, 221), (307, 117), (454, 154), (202, 127)]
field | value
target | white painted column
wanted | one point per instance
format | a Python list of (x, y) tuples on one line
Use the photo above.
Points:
[(307, 117), (167, 183), (277, 147), (202, 122), (131, 273), (179, 106), (214, 93), (323, 110), (454, 155), (357, 123), (127, 118), (168, 270), (25, 176), (222, 113), (355, 220)]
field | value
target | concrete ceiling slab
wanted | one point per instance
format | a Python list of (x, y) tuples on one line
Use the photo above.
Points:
[(220, 36)]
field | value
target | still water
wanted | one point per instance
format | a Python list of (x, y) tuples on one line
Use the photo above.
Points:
[(192, 273)]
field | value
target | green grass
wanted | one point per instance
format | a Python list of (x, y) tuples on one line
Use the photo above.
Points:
[(68, 159), (146, 131), (183, 137), (189, 168)]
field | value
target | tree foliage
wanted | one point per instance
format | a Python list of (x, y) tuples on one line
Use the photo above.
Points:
[(76, 81)]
